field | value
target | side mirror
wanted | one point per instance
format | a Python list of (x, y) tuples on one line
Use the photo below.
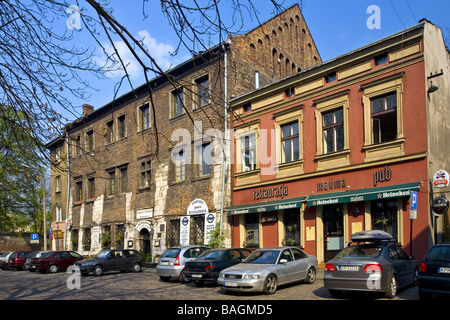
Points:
[(411, 258), (283, 260)]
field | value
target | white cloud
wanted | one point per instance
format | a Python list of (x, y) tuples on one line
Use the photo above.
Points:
[(158, 50)]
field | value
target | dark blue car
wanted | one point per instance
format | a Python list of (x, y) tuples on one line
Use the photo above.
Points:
[(208, 265), (434, 271)]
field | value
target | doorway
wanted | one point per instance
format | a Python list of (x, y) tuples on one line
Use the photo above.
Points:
[(269, 223), (146, 243), (333, 230)]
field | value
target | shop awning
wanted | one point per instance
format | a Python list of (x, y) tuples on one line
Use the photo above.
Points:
[(400, 190), (267, 206)]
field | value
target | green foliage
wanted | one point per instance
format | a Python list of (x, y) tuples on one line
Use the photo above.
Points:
[(20, 176), (216, 237)]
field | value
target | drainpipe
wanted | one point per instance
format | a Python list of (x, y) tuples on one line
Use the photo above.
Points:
[(68, 189), (224, 163)]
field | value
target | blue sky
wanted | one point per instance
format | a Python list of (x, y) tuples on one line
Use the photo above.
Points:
[(336, 26)]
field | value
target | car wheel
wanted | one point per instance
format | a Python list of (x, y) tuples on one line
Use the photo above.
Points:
[(98, 270), (53, 268), (270, 284), (136, 267), (182, 279), (392, 287), (311, 276)]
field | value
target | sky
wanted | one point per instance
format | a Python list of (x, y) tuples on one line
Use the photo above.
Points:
[(337, 27)]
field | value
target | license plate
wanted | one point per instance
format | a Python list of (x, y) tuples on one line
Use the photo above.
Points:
[(164, 263), (230, 284), (196, 276), (444, 270), (348, 268)]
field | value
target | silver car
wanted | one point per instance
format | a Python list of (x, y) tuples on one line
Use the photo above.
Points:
[(172, 263), (265, 269), (372, 262)]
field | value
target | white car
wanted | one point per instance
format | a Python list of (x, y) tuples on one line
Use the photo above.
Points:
[(4, 260), (265, 269)]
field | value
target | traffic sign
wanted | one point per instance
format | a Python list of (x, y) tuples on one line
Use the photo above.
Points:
[(34, 238), (413, 200)]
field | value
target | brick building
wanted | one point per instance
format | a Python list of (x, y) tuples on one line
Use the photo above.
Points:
[(343, 146), (140, 169)]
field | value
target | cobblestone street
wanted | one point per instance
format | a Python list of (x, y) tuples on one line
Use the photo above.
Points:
[(24, 285)]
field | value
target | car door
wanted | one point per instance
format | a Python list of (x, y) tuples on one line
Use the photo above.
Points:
[(286, 265), (408, 266), (399, 264), (301, 264), (61, 259)]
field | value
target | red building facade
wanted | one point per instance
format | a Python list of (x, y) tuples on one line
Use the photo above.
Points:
[(342, 147)]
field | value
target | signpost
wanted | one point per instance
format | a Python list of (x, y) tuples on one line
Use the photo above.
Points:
[(34, 238)]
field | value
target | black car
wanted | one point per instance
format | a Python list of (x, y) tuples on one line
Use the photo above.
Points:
[(208, 265), (112, 260), (434, 271)]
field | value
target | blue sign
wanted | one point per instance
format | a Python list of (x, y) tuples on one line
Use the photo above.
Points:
[(50, 230), (34, 236), (413, 200)]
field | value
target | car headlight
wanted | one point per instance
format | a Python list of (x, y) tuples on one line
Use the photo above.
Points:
[(251, 276), (221, 275)]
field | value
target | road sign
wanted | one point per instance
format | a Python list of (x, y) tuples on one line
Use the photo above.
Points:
[(413, 200), (34, 238), (50, 230)]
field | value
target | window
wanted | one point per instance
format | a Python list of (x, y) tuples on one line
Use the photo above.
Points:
[(91, 188), (123, 179), (247, 107), (333, 131), (78, 191), (145, 174), (248, 151), (58, 184), (381, 59), (77, 145), (58, 214), (384, 216), (144, 117), (292, 227), (109, 138), (289, 92), (111, 182), (180, 166), (384, 118), (289, 142), (252, 230), (202, 90), (204, 161), (58, 155), (90, 140), (330, 77), (177, 102), (121, 130)]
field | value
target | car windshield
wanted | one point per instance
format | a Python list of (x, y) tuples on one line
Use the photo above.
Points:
[(263, 257), (370, 250), (210, 255), (102, 254), (171, 253), (440, 253)]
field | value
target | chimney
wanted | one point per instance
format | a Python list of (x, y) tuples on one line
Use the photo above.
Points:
[(87, 108)]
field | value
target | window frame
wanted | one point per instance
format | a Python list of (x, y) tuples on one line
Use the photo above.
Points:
[(144, 117), (177, 102), (202, 91)]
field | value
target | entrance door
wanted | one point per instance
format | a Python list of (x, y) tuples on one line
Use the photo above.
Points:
[(146, 243), (270, 229), (333, 230)]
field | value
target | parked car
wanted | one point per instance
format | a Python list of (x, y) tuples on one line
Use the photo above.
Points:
[(17, 259), (4, 258), (265, 269), (371, 262), (434, 271), (208, 265), (53, 261), (171, 263), (34, 254), (112, 260)]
